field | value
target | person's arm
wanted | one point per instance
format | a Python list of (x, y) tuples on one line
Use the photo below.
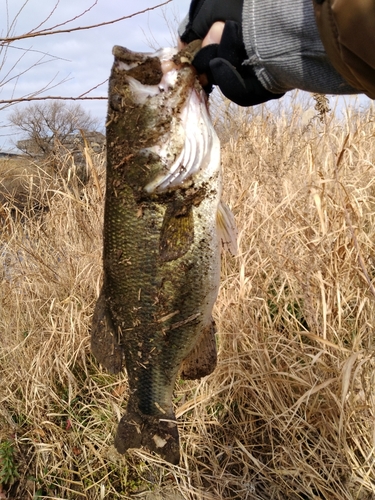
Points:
[(219, 24), (347, 29), (261, 49)]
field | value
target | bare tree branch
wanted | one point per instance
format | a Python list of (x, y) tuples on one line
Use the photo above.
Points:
[(63, 98), (65, 22), (8, 77), (79, 28), (82, 97), (93, 88), (29, 51), (48, 17)]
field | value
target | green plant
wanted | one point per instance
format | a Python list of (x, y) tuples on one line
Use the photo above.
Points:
[(8, 466)]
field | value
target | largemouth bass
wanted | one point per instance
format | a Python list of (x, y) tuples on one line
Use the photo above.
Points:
[(161, 250)]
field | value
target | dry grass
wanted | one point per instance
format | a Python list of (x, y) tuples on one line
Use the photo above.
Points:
[(289, 412), (23, 182)]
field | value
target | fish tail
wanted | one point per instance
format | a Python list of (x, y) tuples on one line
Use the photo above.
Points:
[(104, 341), (157, 434)]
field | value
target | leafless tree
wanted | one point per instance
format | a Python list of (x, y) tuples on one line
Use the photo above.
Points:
[(50, 124), (9, 75)]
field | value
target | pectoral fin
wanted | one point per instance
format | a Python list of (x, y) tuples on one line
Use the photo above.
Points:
[(104, 342), (177, 233), (227, 229)]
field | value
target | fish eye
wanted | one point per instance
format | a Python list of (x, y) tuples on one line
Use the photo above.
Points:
[(116, 102)]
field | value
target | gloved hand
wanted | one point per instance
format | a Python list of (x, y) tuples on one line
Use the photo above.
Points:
[(223, 62)]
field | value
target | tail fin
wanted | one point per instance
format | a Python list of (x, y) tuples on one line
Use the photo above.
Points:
[(157, 434)]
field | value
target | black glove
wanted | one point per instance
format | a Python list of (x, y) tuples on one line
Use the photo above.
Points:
[(223, 62)]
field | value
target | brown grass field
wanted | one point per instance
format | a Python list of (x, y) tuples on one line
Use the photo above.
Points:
[(289, 413)]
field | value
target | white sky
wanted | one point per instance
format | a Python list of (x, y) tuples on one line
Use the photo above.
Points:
[(82, 58)]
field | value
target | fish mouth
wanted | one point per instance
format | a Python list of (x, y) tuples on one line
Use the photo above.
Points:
[(190, 147)]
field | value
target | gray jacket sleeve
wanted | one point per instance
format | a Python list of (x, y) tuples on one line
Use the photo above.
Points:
[(183, 24), (284, 47)]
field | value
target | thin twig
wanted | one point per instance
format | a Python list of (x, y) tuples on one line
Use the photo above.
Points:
[(61, 98), (93, 88), (80, 28)]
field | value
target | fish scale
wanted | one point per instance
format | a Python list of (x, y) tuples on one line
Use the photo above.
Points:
[(161, 247)]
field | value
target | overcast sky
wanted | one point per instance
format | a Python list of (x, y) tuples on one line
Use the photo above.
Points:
[(82, 58)]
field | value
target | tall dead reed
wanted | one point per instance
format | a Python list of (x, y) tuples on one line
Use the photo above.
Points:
[(289, 411)]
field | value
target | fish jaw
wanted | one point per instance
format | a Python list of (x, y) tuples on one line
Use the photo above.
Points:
[(179, 134)]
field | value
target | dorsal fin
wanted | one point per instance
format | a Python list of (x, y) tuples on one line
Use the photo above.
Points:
[(227, 229)]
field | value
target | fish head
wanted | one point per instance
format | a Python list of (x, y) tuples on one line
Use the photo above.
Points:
[(158, 113)]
